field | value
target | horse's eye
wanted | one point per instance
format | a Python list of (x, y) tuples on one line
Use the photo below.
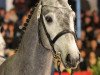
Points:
[(48, 19)]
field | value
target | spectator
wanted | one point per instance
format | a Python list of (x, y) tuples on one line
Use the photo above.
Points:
[(85, 5), (79, 44), (98, 38), (84, 38), (4, 30), (94, 66), (8, 33), (13, 15), (23, 6), (96, 21), (20, 7), (86, 22), (98, 45), (2, 48), (2, 13), (83, 63), (89, 32), (93, 45)]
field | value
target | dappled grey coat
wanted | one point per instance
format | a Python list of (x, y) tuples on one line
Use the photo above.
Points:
[(31, 58)]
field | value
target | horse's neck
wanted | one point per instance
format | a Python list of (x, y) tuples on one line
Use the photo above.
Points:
[(37, 60), (43, 61)]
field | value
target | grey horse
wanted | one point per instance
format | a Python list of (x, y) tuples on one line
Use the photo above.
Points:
[(50, 31)]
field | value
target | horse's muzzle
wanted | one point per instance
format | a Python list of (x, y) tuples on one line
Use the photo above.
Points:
[(72, 62)]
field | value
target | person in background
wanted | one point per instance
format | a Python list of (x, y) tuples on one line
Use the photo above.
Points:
[(4, 29), (83, 63), (79, 44), (93, 64), (8, 33), (93, 45), (83, 38), (89, 32), (23, 6), (13, 15), (96, 20), (85, 5), (2, 49), (11, 35), (2, 13), (98, 45)]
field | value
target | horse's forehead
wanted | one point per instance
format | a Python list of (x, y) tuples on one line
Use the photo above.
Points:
[(56, 10), (55, 6), (58, 3)]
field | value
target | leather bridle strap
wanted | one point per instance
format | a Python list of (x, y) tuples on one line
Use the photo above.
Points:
[(61, 34), (48, 36)]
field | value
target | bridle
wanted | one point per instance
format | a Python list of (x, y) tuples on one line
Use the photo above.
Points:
[(52, 42), (56, 55)]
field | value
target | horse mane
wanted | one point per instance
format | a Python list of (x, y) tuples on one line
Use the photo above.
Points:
[(24, 27)]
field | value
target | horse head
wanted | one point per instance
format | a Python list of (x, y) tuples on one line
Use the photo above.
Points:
[(57, 33)]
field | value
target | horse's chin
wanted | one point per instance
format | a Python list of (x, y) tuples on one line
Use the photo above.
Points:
[(75, 66), (71, 67)]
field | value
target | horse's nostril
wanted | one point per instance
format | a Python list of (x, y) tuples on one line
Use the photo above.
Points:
[(68, 58)]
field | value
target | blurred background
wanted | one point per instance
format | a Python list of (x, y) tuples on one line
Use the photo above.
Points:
[(13, 15)]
